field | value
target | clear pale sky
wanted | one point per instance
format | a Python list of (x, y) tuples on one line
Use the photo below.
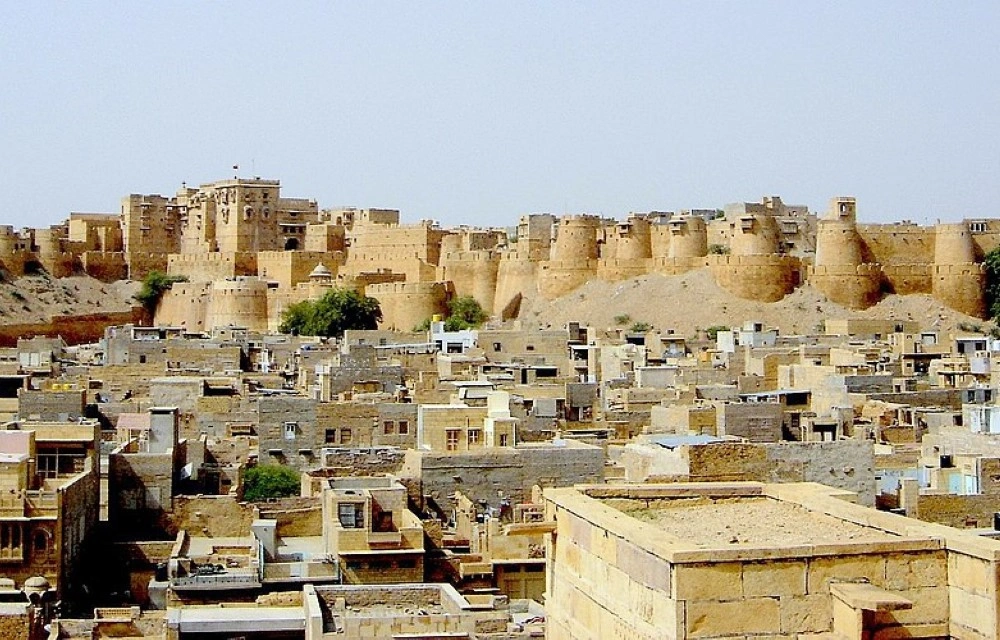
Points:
[(478, 112)]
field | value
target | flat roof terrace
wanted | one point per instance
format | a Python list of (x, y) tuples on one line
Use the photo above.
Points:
[(755, 521), (742, 521)]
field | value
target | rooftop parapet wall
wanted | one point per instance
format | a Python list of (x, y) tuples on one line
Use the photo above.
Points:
[(614, 572)]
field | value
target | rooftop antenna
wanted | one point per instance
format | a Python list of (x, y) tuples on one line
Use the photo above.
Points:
[(236, 171)]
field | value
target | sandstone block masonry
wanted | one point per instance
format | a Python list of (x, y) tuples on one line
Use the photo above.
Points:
[(621, 568), (237, 231)]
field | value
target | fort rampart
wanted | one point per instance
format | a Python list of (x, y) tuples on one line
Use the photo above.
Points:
[(758, 251)]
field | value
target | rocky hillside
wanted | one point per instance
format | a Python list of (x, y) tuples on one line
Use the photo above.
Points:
[(36, 298), (693, 301), (683, 303)]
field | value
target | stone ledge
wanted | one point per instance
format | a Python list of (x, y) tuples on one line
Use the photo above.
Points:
[(867, 597)]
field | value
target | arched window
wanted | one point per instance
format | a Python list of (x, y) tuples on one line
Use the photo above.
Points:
[(40, 542)]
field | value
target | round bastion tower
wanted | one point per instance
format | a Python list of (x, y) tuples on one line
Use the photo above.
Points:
[(755, 235), (958, 280), (840, 272), (574, 256), (576, 239), (679, 244), (628, 250), (407, 304), (755, 270), (51, 254), (240, 302), (631, 239), (474, 273), (688, 237)]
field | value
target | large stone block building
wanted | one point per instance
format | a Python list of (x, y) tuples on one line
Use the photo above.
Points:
[(718, 560)]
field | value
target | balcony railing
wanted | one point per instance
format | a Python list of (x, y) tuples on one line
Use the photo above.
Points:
[(231, 579), (384, 537), (280, 571), (29, 504)]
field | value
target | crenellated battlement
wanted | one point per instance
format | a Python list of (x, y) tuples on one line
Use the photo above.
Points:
[(482, 255), (866, 270), (225, 230)]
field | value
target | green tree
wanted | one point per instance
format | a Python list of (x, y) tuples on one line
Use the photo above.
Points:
[(270, 481), (337, 311), (992, 264), (153, 286), (464, 312), (713, 331), (640, 327)]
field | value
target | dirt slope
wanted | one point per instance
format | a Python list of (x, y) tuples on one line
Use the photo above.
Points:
[(36, 298), (693, 301)]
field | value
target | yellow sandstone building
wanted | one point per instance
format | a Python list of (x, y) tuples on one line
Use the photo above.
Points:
[(248, 252)]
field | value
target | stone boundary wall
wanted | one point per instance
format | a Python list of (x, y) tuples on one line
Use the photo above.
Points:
[(81, 329), (958, 511)]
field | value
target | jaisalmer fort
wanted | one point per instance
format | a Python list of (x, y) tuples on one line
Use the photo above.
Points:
[(232, 414)]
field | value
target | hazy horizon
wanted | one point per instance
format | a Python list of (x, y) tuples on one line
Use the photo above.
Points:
[(477, 113)]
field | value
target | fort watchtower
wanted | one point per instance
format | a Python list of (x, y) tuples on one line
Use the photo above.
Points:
[(688, 237), (958, 281), (840, 271), (627, 249), (755, 269), (574, 256), (240, 302)]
